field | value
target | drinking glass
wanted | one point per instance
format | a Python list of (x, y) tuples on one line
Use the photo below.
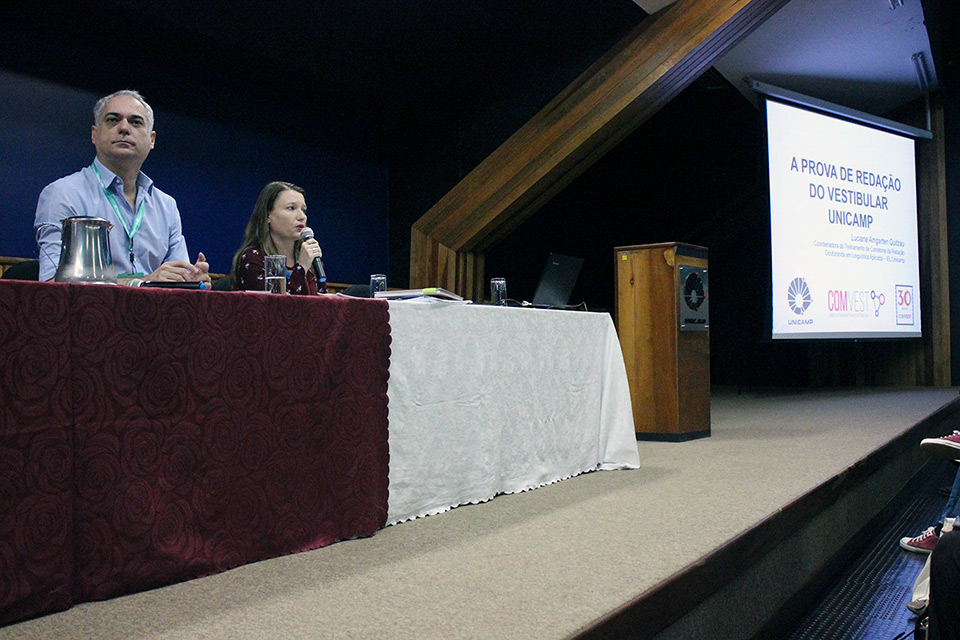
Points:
[(275, 274), (498, 291), (378, 282)]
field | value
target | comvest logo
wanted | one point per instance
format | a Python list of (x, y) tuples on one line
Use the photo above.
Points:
[(798, 296)]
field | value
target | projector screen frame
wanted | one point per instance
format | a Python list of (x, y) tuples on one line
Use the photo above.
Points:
[(770, 93), (831, 109)]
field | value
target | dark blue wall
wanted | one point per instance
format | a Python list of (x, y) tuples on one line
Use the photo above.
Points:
[(214, 172)]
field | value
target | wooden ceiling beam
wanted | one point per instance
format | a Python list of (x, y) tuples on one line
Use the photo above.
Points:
[(639, 75)]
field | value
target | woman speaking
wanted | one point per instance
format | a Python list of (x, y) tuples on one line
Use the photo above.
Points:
[(278, 218)]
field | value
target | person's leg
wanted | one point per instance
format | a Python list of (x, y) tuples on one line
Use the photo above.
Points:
[(944, 447), (944, 609), (952, 508), (927, 540)]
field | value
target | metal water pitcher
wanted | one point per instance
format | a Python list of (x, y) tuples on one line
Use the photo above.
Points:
[(85, 252)]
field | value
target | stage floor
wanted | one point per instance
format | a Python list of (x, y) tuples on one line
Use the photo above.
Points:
[(541, 564)]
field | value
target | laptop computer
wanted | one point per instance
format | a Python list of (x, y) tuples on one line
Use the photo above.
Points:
[(557, 282)]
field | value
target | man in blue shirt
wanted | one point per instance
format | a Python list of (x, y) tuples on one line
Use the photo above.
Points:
[(146, 240)]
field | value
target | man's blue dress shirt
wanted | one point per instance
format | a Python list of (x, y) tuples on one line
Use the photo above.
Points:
[(159, 238)]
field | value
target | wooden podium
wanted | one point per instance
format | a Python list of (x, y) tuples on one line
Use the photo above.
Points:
[(662, 304)]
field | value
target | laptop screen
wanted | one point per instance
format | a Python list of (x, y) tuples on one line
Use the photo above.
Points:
[(557, 282)]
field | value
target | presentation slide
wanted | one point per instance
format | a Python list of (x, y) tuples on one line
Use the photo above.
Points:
[(843, 228)]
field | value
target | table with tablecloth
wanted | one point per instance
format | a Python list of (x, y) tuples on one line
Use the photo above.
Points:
[(150, 436), (487, 400), (153, 436)]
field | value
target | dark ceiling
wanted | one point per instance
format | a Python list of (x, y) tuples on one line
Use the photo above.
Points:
[(372, 74), (419, 54), (307, 69)]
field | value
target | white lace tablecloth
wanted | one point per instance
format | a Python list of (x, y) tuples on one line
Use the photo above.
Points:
[(486, 400)]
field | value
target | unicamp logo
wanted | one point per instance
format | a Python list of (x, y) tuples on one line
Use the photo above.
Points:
[(798, 296)]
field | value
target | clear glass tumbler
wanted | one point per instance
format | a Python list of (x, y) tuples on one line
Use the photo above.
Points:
[(378, 282), (498, 291), (275, 274)]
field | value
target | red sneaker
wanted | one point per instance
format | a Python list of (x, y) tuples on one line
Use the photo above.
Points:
[(923, 543), (944, 447)]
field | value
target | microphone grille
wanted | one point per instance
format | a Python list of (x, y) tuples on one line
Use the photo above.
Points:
[(306, 233)]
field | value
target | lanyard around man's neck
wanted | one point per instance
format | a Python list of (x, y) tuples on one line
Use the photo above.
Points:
[(116, 207)]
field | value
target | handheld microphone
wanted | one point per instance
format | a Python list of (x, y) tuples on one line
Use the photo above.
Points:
[(307, 234)]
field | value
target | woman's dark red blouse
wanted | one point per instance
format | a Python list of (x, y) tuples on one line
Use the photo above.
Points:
[(302, 282)]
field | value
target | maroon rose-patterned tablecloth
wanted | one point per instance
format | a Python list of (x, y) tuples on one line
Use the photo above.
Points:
[(152, 436)]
